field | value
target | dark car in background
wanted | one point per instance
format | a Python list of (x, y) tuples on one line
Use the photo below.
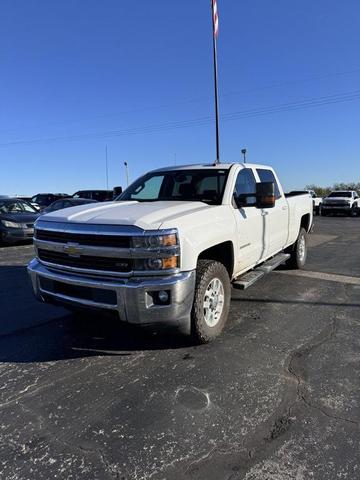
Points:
[(46, 199), (98, 195), (17, 218), (66, 203)]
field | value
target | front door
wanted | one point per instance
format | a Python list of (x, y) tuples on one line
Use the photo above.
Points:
[(249, 222), (276, 218)]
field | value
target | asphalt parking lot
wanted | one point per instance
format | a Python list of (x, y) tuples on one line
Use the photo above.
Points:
[(275, 397)]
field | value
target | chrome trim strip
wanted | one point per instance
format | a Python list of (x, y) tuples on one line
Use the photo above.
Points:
[(109, 252), (109, 273), (96, 229)]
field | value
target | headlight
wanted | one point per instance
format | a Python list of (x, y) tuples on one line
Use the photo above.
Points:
[(8, 224), (155, 241), (158, 264)]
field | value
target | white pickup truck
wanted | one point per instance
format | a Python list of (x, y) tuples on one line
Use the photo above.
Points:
[(344, 201), (166, 252)]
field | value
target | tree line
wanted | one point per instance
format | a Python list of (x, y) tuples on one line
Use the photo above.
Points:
[(324, 191)]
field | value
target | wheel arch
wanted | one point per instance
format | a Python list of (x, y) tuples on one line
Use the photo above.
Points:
[(222, 252), (305, 222)]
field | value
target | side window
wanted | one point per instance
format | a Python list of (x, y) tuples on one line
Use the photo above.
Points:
[(268, 176), (245, 186)]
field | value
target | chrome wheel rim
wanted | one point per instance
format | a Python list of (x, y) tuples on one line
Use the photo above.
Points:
[(213, 302), (302, 248)]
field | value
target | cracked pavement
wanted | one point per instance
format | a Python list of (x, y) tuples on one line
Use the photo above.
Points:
[(276, 397)]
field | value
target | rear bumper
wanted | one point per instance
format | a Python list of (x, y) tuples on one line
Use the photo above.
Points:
[(132, 299)]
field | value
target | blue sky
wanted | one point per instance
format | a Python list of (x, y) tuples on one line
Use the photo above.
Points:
[(79, 75)]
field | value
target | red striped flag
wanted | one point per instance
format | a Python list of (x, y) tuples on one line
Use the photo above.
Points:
[(215, 18)]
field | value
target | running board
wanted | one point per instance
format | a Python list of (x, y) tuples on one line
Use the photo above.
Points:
[(245, 281)]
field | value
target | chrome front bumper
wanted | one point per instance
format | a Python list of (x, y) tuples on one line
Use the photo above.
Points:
[(130, 298), (346, 208)]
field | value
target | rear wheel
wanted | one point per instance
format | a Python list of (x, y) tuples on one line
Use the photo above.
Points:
[(211, 300), (298, 251)]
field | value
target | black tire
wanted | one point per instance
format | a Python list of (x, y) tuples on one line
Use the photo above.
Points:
[(353, 211), (208, 271), (298, 251), (323, 213)]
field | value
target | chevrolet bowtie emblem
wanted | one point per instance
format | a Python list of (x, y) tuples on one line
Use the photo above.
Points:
[(72, 249)]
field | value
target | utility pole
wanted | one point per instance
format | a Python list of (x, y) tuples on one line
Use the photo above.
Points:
[(215, 21), (127, 173), (244, 151), (106, 168)]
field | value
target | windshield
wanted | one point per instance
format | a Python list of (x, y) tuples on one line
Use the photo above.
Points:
[(340, 194), (43, 199), (181, 185), (15, 206)]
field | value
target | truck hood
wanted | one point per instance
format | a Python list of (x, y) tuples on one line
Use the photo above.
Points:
[(146, 215)]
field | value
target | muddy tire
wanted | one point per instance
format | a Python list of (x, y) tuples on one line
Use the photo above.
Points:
[(298, 251), (211, 301)]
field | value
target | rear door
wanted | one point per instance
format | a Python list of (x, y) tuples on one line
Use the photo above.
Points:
[(276, 218), (249, 222)]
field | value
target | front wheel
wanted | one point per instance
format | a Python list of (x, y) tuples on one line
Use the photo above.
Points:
[(211, 300), (298, 251), (353, 211)]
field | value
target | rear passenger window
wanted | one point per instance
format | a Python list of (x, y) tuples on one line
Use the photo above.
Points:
[(268, 176)]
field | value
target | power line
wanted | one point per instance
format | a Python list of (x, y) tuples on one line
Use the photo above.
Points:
[(202, 121), (202, 98)]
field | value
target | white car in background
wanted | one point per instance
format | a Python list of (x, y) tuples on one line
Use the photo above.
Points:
[(344, 201), (317, 201)]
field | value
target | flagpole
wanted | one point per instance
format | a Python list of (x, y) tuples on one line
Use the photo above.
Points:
[(216, 83)]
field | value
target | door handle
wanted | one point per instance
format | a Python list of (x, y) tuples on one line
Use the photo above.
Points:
[(264, 213)]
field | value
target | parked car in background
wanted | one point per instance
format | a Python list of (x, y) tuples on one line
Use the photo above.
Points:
[(66, 203), (317, 201), (29, 200), (98, 195), (46, 199), (345, 201), (17, 218)]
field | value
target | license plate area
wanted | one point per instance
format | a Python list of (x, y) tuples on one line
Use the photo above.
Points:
[(96, 295)]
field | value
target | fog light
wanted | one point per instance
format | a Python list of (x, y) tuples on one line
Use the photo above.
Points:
[(163, 296)]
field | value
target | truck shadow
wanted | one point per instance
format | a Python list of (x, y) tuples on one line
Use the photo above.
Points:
[(35, 332)]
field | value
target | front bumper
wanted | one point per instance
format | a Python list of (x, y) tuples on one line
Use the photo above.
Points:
[(336, 208), (131, 299)]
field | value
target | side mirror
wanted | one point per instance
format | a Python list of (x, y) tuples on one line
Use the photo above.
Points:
[(117, 191), (265, 195)]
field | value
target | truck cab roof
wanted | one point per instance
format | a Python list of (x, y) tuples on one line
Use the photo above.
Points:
[(204, 166)]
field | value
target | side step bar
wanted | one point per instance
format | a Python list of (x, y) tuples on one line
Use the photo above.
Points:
[(245, 281)]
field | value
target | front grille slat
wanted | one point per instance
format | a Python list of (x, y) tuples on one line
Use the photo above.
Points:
[(120, 265), (120, 241)]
